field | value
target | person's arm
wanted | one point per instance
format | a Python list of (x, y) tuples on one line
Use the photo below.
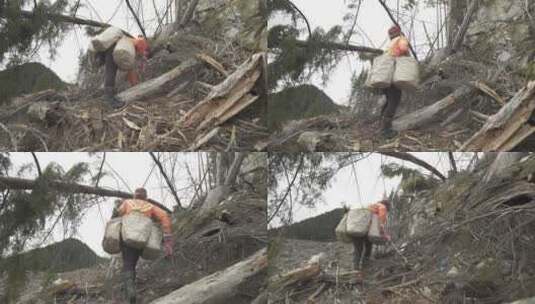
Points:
[(118, 210), (403, 46), (165, 222)]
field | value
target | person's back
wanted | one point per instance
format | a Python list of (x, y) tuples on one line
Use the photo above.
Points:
[(131, 255)]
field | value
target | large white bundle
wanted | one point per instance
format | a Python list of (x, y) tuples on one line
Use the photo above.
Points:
[(112, 236), (153, 249), (358, 222), (106, 39), (407, 74), (382, 72), (374, 234), (136, 230), (341, 230), (124, 54)]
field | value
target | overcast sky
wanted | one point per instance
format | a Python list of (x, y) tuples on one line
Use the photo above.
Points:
[(373, 20), (371, 185), (133, 168), (115, 12)]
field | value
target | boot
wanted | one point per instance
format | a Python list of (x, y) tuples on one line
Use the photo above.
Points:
[(387, 131), (110, 99), (129, 282)]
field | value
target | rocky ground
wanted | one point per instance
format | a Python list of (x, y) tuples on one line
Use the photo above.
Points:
[(467, 240)]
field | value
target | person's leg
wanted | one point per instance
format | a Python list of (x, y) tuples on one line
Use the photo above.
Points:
[(368, 246), (357, 252), (110, 73), (130, 259), (393, 99)]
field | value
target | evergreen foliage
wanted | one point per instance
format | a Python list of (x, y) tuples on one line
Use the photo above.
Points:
[(22, 37), (412, 180)]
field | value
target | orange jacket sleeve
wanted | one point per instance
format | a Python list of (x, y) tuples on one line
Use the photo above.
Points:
[(162, 217), (380, 210)]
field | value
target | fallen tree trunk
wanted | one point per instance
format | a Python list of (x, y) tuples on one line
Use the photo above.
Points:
[(503, 161), (340, 47), (423, 116), (67, 19), (16, 183), (221, 286), (154, 85), (227, 98), (310, 270), (509, 127)]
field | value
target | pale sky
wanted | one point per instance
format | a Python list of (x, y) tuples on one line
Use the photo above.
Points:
[(371, 185), (373, 20), (65, 63), (133, 167)]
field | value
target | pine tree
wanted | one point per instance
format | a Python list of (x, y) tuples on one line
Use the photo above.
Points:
[(26, 26)]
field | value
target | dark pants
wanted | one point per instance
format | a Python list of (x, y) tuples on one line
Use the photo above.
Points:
[(362, 250), (110, 70), (393, 98), (130, 258)]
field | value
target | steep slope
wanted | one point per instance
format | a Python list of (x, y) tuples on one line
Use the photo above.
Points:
[(319, 228), (202, 87), (468, 240), (27, 78), (296, 103), (461, 93)]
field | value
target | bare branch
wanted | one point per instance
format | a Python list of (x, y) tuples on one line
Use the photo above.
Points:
[(167, 180), (415, 160), (37, 163)]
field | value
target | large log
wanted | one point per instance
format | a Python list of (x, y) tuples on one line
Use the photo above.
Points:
[(509, 127), (154, 85), (16, 183), (426, 115), (227, 98), (220, 287)]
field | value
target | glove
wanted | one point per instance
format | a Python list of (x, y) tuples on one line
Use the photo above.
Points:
[(168, 245)]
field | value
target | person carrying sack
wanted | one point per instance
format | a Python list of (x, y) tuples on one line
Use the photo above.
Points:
[(130, 254), (106, 58), (362, 246), (399, 47)]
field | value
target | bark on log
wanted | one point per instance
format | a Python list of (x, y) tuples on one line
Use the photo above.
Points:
[(154, 85), (221, 286), (509, 127), (310, 270), (500, 164), (426, 115), (15, 183), (227, 98)]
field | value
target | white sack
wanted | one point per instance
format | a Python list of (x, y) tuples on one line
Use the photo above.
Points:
[(407, 74), (153, 249), (136, 230), (341, 230), (374, 234), (358, 222), (106, 39), (124, 54), (112, 236), (382, 71)]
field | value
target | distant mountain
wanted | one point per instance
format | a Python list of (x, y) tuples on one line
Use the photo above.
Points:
[(27, 78), (68, 255), (298, 102), (318, 228)]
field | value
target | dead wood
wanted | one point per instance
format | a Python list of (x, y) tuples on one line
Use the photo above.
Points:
[(153, 86), (221, 286), (15, 183), (227, 98), (509, 127), (430, 113)]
